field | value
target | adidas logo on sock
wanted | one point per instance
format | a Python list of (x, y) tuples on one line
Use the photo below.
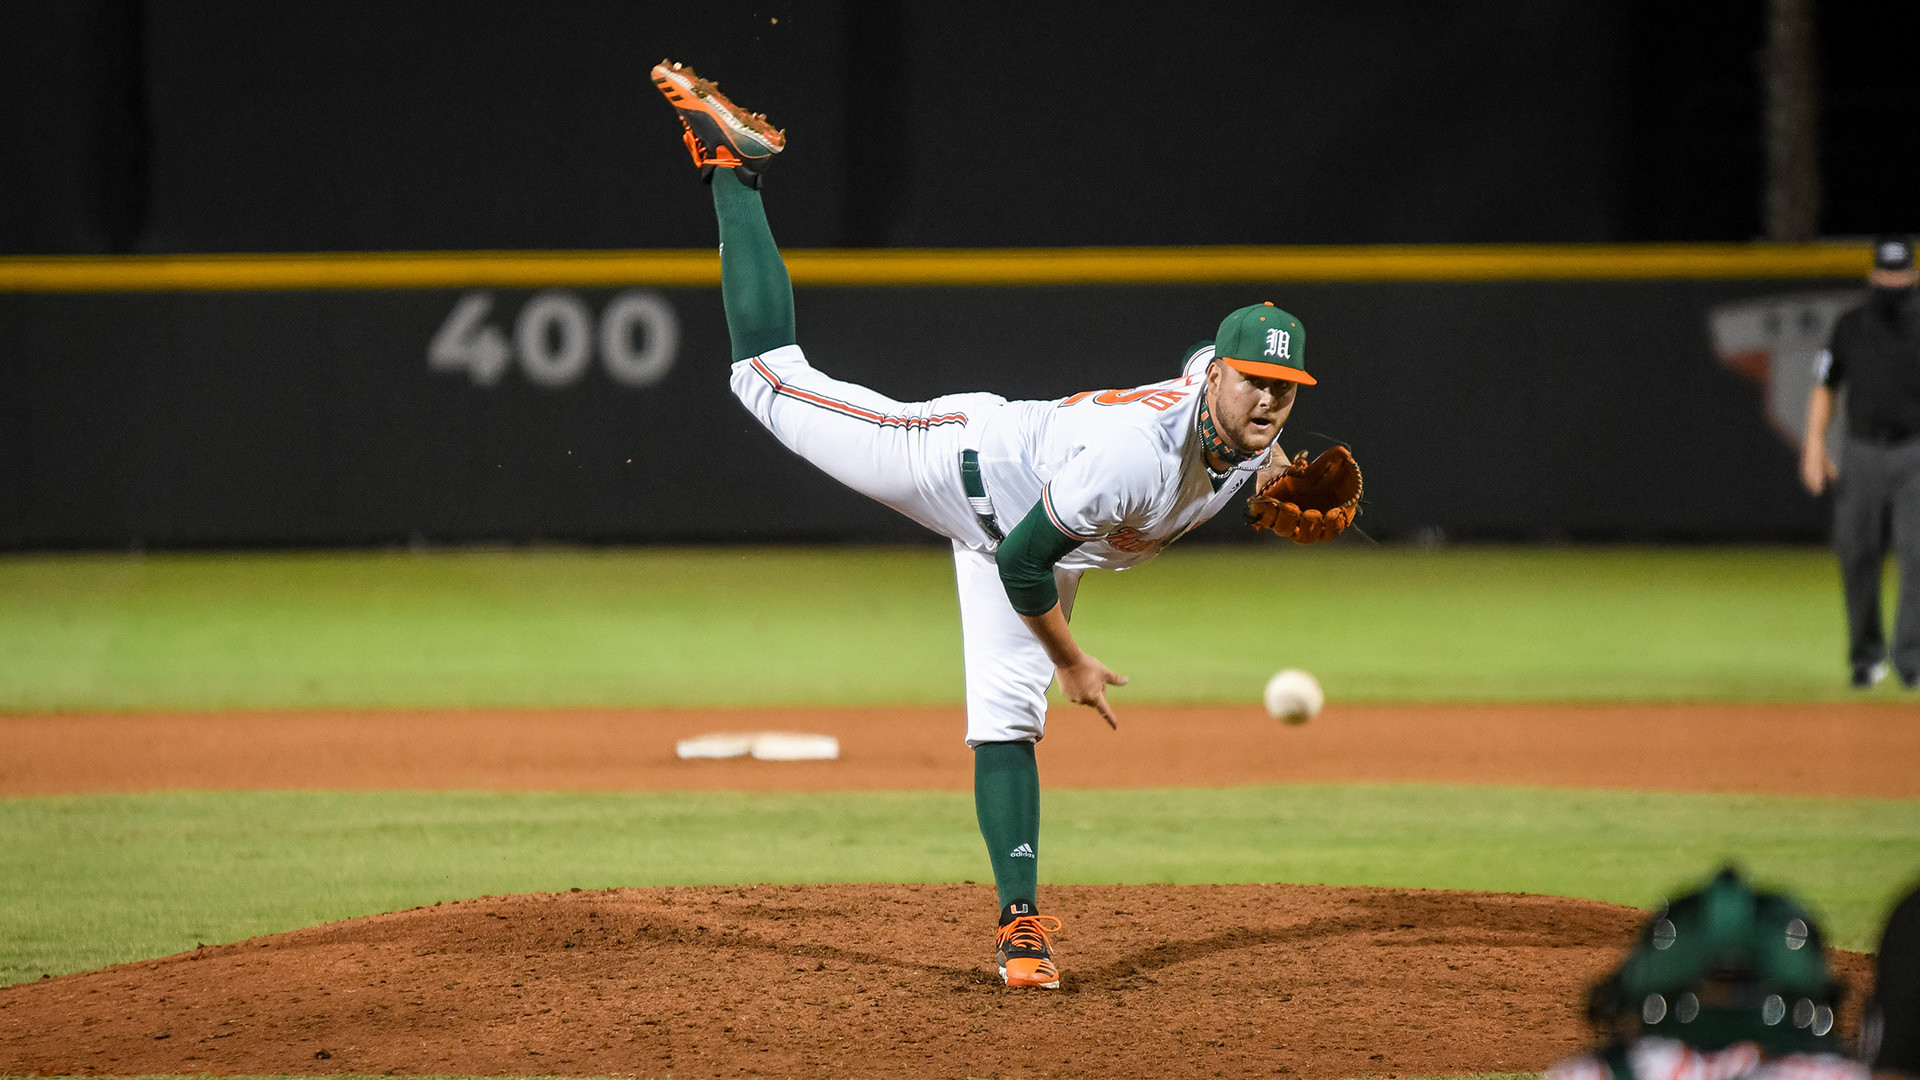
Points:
[(1024, 851)]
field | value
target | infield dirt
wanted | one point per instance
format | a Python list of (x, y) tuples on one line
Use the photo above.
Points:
[(1832, 749)]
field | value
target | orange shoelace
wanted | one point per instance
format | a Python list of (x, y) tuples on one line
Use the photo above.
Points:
[(1030, 932)]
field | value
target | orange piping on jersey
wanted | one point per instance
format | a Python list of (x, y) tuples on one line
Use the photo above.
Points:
[(1046, 503), (858, 413)]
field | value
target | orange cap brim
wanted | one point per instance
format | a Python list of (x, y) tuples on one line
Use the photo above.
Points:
[(1271, 371)]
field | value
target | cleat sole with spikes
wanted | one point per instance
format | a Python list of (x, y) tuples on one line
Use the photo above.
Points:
[(719, 134)]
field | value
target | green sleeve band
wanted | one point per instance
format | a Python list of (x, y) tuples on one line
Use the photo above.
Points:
[(1026, 559)]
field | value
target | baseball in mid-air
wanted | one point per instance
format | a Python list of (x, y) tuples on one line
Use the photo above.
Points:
[(1293, 696)]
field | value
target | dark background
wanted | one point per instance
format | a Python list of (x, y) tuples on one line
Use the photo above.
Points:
[(1486, 411), (1490, 410), (230, 125)]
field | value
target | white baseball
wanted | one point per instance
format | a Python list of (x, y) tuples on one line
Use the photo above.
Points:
[(1293, 696)]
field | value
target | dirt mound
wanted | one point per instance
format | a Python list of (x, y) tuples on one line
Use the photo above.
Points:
[(861, 980)]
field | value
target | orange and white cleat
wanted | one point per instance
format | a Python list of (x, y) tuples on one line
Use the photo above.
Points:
[(719, 134), (1026, 950)]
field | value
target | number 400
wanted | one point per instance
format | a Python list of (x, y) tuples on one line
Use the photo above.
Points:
[(554, 337)]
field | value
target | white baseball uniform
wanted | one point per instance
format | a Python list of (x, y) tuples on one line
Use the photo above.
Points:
[(1121, 470), (1670, 1059)]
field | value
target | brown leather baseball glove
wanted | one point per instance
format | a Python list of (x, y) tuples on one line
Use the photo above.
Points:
[(1310, 502)]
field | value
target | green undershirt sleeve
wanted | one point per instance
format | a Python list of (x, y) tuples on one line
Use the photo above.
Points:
[(1026, 559), (754, 286)]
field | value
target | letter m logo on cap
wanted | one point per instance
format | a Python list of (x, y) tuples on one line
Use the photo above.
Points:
[(1262, 340)]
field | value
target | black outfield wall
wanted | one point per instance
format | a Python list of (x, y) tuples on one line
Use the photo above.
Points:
[(324, 125), (1495, 410)]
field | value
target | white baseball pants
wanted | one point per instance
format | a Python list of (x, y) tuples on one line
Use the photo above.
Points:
[(907, 456)]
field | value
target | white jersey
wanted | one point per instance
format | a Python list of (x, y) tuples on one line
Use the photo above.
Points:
[(1656, 1058), (1121, 470)]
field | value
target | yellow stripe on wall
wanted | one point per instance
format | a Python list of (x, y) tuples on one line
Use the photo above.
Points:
[(925, 267)]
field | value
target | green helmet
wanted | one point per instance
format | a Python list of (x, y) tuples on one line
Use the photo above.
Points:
[(1723, 965)]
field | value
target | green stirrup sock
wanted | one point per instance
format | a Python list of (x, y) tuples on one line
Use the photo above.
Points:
[(1006, 796), (753, 280)]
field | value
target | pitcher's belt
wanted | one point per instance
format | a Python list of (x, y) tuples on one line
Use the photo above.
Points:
[(976, 489)]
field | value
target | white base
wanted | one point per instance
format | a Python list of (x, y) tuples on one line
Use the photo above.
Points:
[(761, 745)]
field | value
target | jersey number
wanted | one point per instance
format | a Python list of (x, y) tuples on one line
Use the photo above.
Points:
[(1154, 398)]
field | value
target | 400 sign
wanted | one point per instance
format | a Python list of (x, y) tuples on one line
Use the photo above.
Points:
[(555, 337)]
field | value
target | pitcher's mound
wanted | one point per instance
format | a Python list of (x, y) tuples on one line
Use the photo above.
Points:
[(857, 980)]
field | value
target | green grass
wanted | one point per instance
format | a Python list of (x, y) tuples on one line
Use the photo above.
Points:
[(86, 881), (1499, 624), (92, 880), (839, 625)]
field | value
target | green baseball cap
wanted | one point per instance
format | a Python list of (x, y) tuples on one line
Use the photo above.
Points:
[(1263, 340)]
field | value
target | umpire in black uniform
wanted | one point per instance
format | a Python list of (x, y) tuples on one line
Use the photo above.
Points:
[(1890, 1031), (1875, 353)]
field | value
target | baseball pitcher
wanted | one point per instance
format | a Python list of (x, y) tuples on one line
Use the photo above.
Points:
[(1031, 493)]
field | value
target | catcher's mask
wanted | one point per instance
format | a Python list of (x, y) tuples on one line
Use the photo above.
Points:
[(1723, 965)]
